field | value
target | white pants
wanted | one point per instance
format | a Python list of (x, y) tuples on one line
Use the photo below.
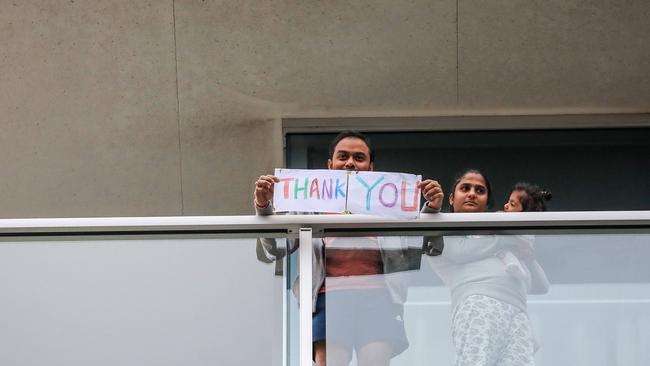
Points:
[(489, 332)]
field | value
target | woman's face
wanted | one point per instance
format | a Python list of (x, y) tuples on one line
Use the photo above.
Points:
[(470, 195), (514, 203)]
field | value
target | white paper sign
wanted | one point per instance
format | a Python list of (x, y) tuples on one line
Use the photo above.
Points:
[(384, 194), (314, 190), (339, 191)]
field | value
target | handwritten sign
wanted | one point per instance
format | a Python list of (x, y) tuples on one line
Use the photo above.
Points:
[(340, 191), (315, 190), (384, 194)]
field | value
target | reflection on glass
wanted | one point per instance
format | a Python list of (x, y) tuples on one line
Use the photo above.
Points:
[(597, 311), (489, 278), (360, 306), (344, 268)]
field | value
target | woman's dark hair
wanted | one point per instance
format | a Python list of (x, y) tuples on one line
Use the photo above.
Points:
[(460, 176), (532, 197), (353, 134)]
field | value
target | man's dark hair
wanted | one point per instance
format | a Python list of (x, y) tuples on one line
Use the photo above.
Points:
[(353, 134)]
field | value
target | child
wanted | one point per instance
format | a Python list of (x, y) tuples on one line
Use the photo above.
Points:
[(526, 197)]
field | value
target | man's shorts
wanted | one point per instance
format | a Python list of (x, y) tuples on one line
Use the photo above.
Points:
[(357, 317)]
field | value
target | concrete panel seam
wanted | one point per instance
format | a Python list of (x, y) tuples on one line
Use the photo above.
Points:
[(178, 111), (457, 58)]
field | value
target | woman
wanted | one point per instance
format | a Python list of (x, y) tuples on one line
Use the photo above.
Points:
[(490, 325)]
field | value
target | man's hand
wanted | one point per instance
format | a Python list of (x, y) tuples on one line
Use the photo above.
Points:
[(264, 190), (432, 192)]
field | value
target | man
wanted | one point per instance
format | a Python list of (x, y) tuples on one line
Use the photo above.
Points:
[(360, 268)]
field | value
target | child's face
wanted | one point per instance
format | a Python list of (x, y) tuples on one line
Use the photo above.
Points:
[(514, 203)]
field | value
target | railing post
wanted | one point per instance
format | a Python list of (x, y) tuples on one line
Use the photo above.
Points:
[(305, 272)]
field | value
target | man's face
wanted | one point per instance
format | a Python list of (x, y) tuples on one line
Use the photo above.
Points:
[(350, 153)]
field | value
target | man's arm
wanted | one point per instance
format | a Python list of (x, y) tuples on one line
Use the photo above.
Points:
[(263, 193), (269, 249)]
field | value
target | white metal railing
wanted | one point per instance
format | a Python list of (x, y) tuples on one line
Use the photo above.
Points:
[(330, 225), (305, 227)]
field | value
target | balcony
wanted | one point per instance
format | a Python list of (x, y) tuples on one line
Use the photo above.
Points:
[(191, 290)]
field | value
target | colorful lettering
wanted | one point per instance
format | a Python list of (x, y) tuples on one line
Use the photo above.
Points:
[(377, 193), (314, 188), (369, 189), (298, 189), (339, 190), (327, 191), (415, 198), (286, 186), (381, 195)]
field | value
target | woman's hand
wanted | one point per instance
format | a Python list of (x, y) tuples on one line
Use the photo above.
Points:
[(432, 192)]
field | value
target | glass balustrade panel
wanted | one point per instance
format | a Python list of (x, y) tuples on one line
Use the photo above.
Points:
[(571, 299), (188, 301)]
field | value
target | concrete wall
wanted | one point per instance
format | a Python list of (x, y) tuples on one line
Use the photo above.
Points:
[(130, 108)]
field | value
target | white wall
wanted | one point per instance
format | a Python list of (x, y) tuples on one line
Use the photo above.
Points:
[(138, 108)]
